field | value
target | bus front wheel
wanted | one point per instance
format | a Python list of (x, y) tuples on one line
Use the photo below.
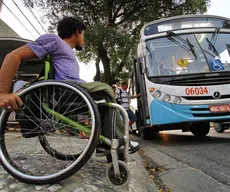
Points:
[(200, 129), (148, 133)]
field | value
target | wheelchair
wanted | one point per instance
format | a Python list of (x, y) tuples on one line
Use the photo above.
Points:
[(58, 131)]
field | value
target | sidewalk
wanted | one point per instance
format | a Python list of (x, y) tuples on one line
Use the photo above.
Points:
[(91, 178)]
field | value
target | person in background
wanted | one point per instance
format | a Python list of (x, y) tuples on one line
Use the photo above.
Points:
[(114, 87), (124, 98)]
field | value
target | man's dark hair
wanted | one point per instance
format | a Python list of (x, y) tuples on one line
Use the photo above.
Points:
[(68, 26), (124, 82)]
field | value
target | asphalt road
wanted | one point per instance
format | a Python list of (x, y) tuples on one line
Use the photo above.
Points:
[(205, 160)]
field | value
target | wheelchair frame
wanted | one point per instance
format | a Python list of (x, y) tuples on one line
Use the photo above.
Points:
[(113, 143)]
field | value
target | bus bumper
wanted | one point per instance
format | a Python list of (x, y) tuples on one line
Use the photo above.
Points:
[(167, 113)]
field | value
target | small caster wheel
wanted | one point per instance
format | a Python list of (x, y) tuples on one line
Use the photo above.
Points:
[(118, 183)]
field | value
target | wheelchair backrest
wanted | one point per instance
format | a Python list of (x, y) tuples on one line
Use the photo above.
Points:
[(48, 71)]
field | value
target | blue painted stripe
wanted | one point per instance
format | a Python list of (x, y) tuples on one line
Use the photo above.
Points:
[(167, 113)]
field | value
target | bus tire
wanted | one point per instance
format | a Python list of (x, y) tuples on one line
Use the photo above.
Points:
[(148, 133), (144, 133), (200, 129), (219, 127)]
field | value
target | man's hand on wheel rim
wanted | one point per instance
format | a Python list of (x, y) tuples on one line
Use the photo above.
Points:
[(10, 102)]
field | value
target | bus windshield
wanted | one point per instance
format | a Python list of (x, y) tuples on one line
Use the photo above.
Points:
[(186, 54)]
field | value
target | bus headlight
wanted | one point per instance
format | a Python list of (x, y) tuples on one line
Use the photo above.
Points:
[(151, 90), (177, 100), (166, 98), (156, 94)]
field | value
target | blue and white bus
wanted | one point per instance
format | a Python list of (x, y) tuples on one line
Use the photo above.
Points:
[(182, 71)]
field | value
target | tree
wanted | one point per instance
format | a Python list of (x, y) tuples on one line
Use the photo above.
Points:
[(114, 25)]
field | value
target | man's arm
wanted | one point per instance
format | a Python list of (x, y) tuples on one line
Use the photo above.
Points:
[(7, 73), (135, 96)]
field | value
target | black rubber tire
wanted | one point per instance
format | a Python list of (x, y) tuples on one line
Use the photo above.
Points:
[(125, 174), (148, 133), (200, 129), (13, 169), (219, 127)]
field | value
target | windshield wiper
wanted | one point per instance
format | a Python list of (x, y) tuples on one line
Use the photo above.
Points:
[(187, 42), (191, 46), (214, 36), (212, 47)]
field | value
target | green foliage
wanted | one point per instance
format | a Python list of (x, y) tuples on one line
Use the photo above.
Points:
[(114, 26)]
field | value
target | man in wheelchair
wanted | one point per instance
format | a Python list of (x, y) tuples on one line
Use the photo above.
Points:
[(59, 48)]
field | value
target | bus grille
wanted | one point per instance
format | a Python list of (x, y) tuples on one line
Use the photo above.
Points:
[(201, 81), (205, 97), (211, 115)]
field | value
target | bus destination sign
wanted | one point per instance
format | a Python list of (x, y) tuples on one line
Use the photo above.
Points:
[(169, 27), (186, 23)]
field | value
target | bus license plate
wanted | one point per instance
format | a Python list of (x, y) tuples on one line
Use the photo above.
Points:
[(219, 108)]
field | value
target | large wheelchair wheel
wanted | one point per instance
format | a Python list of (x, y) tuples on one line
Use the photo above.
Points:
[(54, 133)]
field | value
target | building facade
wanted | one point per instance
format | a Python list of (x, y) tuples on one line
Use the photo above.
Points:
[(6, 31)]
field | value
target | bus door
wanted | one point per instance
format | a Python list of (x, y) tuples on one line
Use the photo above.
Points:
[(143, 113)]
